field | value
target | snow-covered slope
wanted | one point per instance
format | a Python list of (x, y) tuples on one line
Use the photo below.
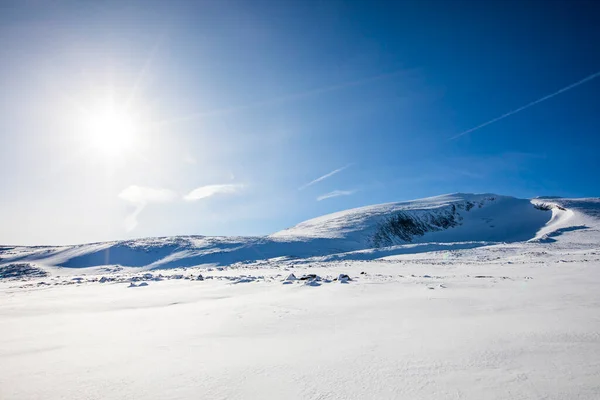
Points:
[(447, 218), (434, 318), (463, 220)]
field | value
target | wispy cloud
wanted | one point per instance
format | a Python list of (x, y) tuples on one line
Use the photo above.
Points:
[(189, 159), (328, 175), (335, 193), (533, 103), (141, 196), (204, 192), (294, 96)]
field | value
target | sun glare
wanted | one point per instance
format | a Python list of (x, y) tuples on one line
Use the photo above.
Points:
[(110, 132)]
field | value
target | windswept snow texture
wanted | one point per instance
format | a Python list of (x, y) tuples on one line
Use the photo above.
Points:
[(449, 218), (454, 314), (469, 219)]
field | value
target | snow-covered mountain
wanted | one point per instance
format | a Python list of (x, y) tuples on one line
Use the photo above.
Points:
[(448, 218), (447, 222)]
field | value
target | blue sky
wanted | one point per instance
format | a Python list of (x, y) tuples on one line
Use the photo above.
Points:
[(246, 117)]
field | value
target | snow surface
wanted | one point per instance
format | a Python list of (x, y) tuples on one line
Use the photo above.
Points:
[(433, 319)]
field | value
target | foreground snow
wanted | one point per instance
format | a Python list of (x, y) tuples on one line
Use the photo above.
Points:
[(502, 322), (432, 320)]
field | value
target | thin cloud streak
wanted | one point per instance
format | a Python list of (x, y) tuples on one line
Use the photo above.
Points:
[(288, 97), (204, 192), (533, 103), (336, 193), (328, 175)]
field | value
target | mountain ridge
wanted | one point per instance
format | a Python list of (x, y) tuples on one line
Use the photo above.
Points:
[(460, 219)]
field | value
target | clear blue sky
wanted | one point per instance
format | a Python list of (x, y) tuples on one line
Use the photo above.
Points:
[(223, 115)]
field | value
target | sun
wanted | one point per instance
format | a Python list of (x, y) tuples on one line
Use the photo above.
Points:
[(111, 124), (110, 132)]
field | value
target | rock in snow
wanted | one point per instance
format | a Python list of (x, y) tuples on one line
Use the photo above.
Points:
[(310, 277), (291, 277)]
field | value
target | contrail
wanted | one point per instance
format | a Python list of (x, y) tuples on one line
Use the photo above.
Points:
[(319, 179), (533, 103)]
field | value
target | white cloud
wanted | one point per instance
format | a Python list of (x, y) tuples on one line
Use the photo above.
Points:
[(189, 159), (319, 179), (141, 196), (204, 192), (336, 193)]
